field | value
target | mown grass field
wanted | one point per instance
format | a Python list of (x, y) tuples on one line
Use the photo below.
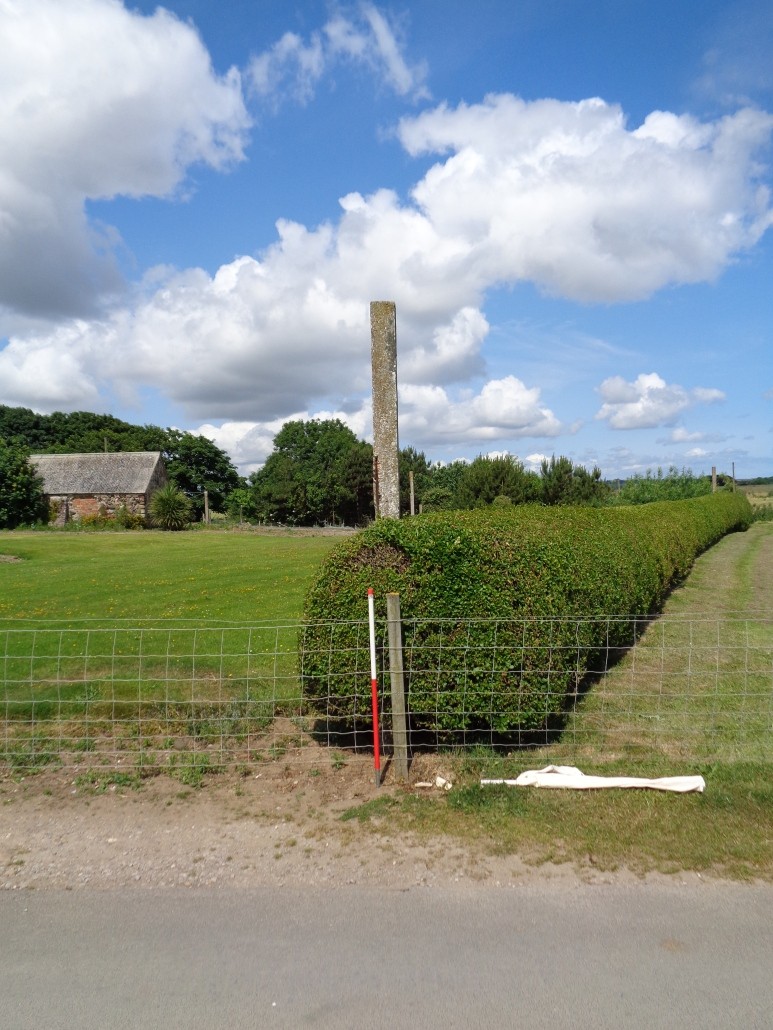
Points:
[(146, 577), (91, 625)]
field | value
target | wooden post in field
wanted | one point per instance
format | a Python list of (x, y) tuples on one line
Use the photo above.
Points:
[(206, 507), (397, 684), (413, 496), (713, 479), (383, 356)]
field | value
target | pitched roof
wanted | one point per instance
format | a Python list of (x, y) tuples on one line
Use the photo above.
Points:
[(117, 472)]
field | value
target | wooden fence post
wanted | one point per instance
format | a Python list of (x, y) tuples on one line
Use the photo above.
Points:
[(397, 684)]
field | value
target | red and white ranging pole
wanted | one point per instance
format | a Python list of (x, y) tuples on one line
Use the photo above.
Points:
[(374, 687)]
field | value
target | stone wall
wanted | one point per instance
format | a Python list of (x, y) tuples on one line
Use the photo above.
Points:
[(73, 507)]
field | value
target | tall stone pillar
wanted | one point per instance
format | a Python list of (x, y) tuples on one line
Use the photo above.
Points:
[(383, 356)]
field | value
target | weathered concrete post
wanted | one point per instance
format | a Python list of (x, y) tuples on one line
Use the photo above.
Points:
[(383, 357), (397, 685)]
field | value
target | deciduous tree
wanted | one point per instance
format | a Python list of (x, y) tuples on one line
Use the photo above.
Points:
[(196, 464), (318, 472), (21, 489)]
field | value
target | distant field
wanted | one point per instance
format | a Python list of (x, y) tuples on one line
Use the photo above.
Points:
[(760, 494)]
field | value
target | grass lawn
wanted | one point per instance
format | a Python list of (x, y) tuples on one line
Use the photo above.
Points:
[(148, 576), (93, 623)]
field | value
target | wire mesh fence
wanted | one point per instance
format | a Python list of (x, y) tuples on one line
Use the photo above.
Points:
[(171, 695)]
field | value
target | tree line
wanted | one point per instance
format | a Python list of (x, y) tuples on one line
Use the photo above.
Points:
[(318, 473)]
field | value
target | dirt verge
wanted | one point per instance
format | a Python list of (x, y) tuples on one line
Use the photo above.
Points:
[(278, 824)]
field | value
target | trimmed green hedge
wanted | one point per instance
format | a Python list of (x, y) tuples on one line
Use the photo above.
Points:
[(504, 609)]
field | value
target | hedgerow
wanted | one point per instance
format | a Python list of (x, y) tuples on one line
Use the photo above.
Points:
[(503, 609)]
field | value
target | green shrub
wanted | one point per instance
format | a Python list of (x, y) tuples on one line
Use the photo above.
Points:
[(504, 609), (96, 520), (170, 508), (104, 521), (125, 519)]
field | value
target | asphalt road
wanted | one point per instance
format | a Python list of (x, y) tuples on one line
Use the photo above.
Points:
[(579, 956)]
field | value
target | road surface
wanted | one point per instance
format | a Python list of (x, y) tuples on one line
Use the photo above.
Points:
[(538, 956)]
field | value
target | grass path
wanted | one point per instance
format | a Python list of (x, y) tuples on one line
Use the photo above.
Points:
[(735, 575), (699, 683)]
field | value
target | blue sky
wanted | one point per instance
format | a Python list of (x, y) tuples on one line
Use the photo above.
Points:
[(569, 202)]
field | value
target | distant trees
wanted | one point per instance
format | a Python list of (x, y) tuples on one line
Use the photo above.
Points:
[(485, 479), (196, 464), (318, 472), (21, 489), (76, 432), (240, 506), (565, 483), (413, 461), (442, 493), (504, 479)]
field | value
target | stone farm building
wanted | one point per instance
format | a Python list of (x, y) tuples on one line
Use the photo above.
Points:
[(101, 483)]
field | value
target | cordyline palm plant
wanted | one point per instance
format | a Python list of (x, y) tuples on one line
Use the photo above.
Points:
[(169, 508)]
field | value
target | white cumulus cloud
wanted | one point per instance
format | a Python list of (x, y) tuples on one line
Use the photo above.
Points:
[(454, 352), (648, 401), (96, 101), (503, 409), (567, 196)]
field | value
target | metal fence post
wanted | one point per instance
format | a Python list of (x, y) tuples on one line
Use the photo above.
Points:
[(397, 684)]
